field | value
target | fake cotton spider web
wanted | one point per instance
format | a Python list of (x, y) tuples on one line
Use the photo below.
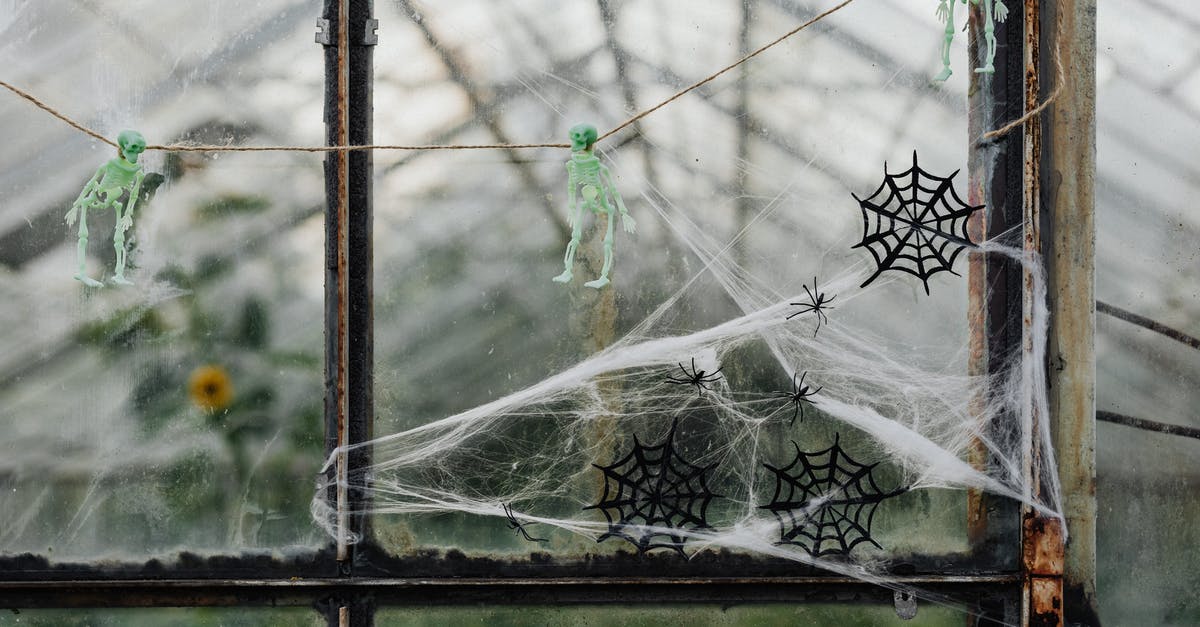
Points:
[(651, 489), (902, 396), (825, 501), (915, 223)]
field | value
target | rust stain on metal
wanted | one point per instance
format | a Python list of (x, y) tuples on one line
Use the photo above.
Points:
[(343, 274), (1069, 176), (1033, 155), (1045, 602), (1042, 542), (1043, 550)]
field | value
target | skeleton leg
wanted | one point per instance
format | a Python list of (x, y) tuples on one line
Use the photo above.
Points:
[(82, 247), (119, 246), (946, 10), (989, 33), (124, 222), (608, 247), (569, 258)]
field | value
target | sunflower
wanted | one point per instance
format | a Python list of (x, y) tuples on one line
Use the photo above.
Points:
[(210, 388)]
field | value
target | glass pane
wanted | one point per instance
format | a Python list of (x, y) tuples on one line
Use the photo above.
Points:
[(492, 392), (182, 412), (171, 617), (1148, 109)]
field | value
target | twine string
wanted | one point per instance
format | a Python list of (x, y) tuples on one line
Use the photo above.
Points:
[(228, 148), (54, 112), (700, 83), (421, 147), (1060, 77)]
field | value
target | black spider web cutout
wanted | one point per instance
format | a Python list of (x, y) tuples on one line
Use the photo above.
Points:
[(919, 226), (652, 486), (825, 501)]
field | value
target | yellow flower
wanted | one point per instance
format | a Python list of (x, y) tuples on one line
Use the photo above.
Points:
[(210, 388)]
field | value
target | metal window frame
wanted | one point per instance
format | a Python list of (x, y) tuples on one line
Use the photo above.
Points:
[(1039, 177)]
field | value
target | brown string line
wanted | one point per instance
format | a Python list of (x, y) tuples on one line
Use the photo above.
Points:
[(220, 148), (351, 148), (48, 109), (226, 148)]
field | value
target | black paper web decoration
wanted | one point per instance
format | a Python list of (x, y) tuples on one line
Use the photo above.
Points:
[(915, 223), (825, 501), (652, 486)]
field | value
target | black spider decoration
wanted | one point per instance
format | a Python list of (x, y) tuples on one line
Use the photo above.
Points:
[(652, 486), (799, 393), (825, 501), (817, 304), (918, 227), (513, 523), (698, 378)]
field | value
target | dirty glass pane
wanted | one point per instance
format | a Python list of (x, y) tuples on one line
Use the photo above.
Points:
[(181, 412), (634, 616), (1148, 262), (172, 617), (755, 170)]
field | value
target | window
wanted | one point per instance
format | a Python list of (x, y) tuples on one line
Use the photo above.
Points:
[(385, 320)]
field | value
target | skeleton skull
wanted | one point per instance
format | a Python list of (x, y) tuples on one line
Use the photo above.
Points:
[(131, 145), (583, 136)]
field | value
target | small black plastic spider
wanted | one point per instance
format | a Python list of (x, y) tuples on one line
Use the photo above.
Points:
[(800, 392), (816, 304), (698, 378), (513, 523)]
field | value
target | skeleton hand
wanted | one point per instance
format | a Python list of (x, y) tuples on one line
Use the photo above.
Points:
[(71, 215), (943, 11), (125, 223), (627, 223), (1001, 11)]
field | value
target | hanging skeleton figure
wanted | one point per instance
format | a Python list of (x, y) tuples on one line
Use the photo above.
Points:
[(596, 186), (945, 12), (116, 184)]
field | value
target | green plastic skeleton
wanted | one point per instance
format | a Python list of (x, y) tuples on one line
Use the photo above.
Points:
[(116, 184), (945, 12), (596, 186)]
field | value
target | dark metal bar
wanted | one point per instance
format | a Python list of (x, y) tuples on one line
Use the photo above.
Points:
[(1042, 550), (352, 592), (995, 289), (342, 244), (361, 294), (1148, 425), (336, 213), (344, 608), (327, 36), (1147, 323), (348, 38)]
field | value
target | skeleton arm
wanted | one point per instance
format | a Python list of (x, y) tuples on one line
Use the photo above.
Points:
[(627, 221), (83, 196), (127, 215), (943, 11), (571, 185), (1001, 11)]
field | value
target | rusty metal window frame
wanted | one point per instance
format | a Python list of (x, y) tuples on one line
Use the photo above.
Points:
[(347, 582)]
